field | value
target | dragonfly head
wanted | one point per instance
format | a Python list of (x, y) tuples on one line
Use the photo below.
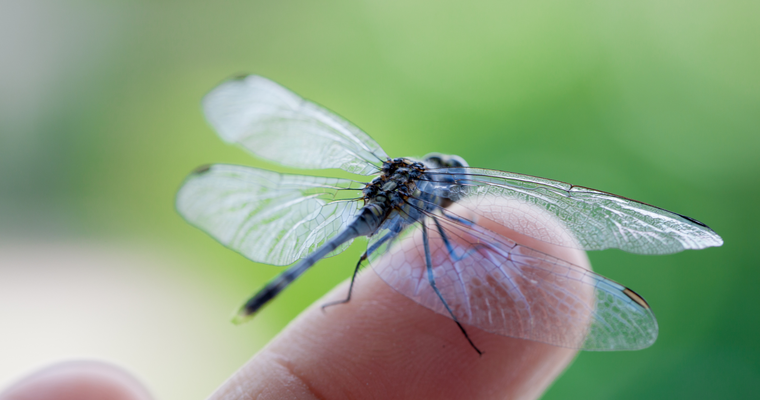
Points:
[(438, 160)]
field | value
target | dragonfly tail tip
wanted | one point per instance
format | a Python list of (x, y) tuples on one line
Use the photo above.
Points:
[(242, 315)]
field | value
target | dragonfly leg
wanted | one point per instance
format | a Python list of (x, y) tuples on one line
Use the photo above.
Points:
[(431, 280), (449, 248), (364, 256), (350, 287), (455, 218)]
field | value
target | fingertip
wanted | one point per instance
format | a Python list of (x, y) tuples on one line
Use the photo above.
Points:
[(76, 380), (382, 344)]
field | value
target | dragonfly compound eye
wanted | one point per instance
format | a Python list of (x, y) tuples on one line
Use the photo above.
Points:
[(434, 159), (456, 161)]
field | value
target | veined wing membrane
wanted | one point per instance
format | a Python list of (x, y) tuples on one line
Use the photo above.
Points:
[(276, 124), (599, 220), (490, 282), (268, 217)]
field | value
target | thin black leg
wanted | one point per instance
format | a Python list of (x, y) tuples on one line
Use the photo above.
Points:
[(350, 287), (431, 280), (449, 248), (455, 218), (364, 256)]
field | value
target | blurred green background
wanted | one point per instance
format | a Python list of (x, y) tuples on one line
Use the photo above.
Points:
[(100, 122)]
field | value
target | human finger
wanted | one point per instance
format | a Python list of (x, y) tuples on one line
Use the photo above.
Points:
[(383, 345), (77, 380)]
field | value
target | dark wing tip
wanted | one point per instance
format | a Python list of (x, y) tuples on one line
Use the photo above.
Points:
[(239, 76), (202, 169), (635, 297), (700, 223), (718, 241)]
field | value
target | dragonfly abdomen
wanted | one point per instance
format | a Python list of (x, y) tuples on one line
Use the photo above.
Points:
[(280, 282), (365, 224)]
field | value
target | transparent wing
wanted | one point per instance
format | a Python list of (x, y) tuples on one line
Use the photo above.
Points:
[(492, 283), (598, 220), (268, 217), (276, 124)]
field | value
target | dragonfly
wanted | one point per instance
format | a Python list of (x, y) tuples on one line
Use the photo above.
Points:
[(430, 217)]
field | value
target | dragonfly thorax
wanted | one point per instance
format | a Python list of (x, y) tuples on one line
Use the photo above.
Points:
[(395, 183)]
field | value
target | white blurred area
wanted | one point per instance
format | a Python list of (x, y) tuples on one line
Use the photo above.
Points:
[(129, 305), (69, 290)]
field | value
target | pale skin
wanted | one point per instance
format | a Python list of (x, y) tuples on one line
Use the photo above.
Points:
[(380, 345)]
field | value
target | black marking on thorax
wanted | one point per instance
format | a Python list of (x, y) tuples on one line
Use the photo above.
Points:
[(395, 183)]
